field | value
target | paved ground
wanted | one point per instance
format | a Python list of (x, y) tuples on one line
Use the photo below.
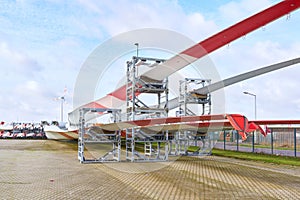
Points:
[(44, 169)]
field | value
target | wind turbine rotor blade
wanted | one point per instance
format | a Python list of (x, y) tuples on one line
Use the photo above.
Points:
[(173, 103), (221, 39), (241, 77)]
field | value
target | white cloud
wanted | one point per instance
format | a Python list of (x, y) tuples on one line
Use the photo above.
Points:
[(236, 10), (121, 16), (32, 101), (41, 50), (29, 88), (16, 62)]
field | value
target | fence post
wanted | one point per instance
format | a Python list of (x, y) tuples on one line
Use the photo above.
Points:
[(295, 142), (224, 139), (253, 134), (237, 140), (272, 147)]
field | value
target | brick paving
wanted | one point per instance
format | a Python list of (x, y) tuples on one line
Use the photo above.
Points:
[(43, 169)]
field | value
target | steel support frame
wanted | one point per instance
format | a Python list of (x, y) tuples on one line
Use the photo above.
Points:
[(186, 98), (183, 139), (150, 153), (112, 156)]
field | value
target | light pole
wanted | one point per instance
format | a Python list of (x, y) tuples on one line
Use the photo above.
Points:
[(254, 102), (62, 108), (137, 49), (254, 118)]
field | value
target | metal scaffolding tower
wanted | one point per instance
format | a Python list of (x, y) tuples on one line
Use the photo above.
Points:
[(137, 87), (188, 98), (138, 91)]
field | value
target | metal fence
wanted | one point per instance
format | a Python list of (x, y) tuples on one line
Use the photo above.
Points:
[(279, 141)]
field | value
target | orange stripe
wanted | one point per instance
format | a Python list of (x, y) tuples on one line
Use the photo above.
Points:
[(66, 135)]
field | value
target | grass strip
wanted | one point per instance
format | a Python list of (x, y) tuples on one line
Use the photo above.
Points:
[(267, 158), (267, 146)]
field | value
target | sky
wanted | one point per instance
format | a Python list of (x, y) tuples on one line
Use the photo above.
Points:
[(43, 45)]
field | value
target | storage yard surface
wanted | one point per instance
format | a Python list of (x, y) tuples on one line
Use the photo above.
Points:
[(44, 169)]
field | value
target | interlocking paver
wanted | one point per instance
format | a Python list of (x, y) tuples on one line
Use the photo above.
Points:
[(32, 169)]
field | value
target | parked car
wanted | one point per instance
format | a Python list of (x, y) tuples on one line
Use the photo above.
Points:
[(31, 135), (14, 133), (21, 135), (41, 135), (6, 134)]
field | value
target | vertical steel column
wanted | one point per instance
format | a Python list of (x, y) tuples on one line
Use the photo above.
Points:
[(167, 95), (130, 144), (127, 93), (81, 136), (158, 150), (126, 144), (167, 146), (176, 143), (210, 140), (119, 146), (133, 82)]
